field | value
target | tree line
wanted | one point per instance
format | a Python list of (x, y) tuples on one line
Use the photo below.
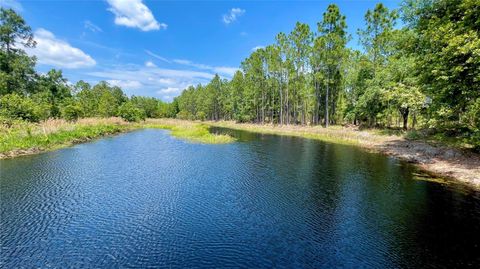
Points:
[(424, 73), (28, 95)]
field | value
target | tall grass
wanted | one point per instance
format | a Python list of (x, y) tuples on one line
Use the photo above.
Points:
[(52, 134), (22, 138), (191, 131)]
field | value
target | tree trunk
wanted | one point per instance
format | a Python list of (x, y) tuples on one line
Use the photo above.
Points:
[(288, 106), (281, 104), (326, 107), (405, 118)]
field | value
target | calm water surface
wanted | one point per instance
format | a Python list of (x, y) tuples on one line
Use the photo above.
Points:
[(145, 199)]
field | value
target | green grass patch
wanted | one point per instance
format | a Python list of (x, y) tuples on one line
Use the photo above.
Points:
[(195, 133), (24, 137)]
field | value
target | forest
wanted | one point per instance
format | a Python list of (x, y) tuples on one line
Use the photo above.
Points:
[(424, 74), (418, 68)]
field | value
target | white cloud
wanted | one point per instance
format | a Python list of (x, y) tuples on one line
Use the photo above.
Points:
[(257, 48), (230, 71), (157, 56), (189, 63), (125, 84), (233, 15), (91, 26), (58, 53), (225, 70), (134, 14), (166, 81), (141, 74), (170, 90), (150, 64), (13, 4)]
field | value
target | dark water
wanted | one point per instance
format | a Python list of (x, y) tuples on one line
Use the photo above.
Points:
[(145, 199)]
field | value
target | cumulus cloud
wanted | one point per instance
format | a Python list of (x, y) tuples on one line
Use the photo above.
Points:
[(125, 84), (53, 51), (134, 14), (91, 26), (170, 90), (150, 64), (166, 81), (233, 15)]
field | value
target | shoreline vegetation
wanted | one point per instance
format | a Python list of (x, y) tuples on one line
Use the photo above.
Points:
[(191, 131), (439, 159), (22, 138)]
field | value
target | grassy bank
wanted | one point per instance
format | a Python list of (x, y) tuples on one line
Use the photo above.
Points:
[(191, 131), (22, 138)]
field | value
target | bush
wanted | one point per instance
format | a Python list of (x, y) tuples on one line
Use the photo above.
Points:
[(183, 115), (130, 112), (71, 112), (201, 116), (15, 106), (43, 104)]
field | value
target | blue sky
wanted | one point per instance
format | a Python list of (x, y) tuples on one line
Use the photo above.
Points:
[(158, 48)]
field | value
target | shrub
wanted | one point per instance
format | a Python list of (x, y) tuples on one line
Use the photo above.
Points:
[(71, 111), (201, 116), (15, 106), (130, 112), (43, 104)]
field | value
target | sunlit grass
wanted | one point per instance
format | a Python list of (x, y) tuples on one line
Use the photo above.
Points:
[(54, 134), (191, 131)]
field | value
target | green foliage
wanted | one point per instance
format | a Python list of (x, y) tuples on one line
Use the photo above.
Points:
[(129, 112), (13, 29), (16, 68), (376, 37), (71, 111), (27, 136), (14, 106), (194, 132), (448, 56)]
